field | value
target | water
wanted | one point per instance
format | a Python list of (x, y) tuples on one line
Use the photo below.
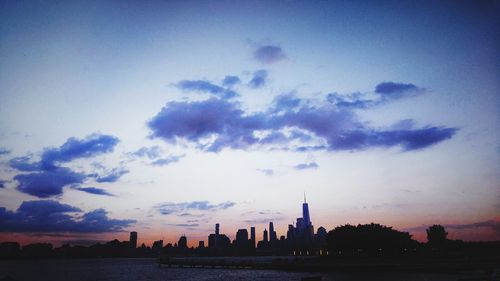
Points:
[(147, 269)]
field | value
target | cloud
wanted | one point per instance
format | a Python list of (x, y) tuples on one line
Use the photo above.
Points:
[(155, 154), (384, 92), (184, 224), (293, 124), (112, 176), (206, 87), (44, 184), (2, 183), (52, 216), (4, 150), (267, 172), (94, 190), (305, 166), (259, 79), (149, 152), (165, 161), (269, 54), (73, 148), (285, 102), (391, 88), (46, 178), (495, 225), (170, 208), (230, 81), (24, 164)]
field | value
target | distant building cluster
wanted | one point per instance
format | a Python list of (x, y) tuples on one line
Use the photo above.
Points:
[(299, 240)]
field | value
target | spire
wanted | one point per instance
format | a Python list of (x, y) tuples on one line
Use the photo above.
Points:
[(305, 197)]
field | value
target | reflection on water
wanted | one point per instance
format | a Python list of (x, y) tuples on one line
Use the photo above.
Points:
[(147, 269)]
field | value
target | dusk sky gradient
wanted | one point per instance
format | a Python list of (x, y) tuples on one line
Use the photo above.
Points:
[(166, 117)]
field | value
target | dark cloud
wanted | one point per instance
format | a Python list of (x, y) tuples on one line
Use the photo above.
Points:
[(2, 183), (74, 148), (4, 150), (269, 54), (495, 225), (384, 92), (267, 172), (165, 161), (94, 190), (259, 79), (393, 88), (52, 216), (215, 124), (194, 121), (44, 184), (24, 164), (46, 178), (304, 166), (170, 208), (230, 81), (113, 176), (206, 87)]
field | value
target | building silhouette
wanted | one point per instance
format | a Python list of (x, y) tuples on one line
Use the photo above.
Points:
[(133, 239)]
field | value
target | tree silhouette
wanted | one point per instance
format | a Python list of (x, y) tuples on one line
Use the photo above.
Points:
[(369, 240), (436, 235)]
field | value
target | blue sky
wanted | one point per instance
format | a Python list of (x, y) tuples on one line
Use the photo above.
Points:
[(166, 117)]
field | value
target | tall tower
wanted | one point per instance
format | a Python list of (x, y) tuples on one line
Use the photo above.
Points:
[(265, 235), (305, 213), (272, 233), (133, 239), (216, 235), (252, 236)]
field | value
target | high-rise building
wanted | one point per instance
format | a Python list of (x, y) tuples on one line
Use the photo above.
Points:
[(252, 237), (182, 244), (305, 214), (272, 233), (133, 239), (216, 234), (264, 238), (242, 235)]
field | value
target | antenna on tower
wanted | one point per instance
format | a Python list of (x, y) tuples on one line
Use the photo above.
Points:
[(305, 197)]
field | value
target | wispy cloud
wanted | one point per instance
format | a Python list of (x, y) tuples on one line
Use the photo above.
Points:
[(94, 190), (267, 172), (305, 166), (207, 87), (168, 160), (168, 208)]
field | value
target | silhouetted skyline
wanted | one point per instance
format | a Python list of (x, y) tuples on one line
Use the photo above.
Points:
[(167, 117)]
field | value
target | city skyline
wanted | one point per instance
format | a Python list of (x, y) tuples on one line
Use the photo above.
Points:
[(167, 117)]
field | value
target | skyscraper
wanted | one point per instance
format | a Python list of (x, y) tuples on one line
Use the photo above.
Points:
[(133, 239), (252, 237), (305, 214), (216, 234), (182, 244), (265, 235), (272, 233)]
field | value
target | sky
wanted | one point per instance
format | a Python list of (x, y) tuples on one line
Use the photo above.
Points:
[(166, 117)]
